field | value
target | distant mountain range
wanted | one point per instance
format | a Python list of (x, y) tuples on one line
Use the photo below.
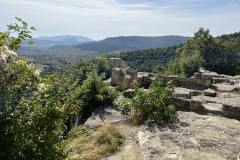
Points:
[(103, 46), (132, 43), (42, 43)]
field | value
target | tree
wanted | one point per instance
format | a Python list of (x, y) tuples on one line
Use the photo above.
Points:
[(32, 120), (103, 66), (215, 54)]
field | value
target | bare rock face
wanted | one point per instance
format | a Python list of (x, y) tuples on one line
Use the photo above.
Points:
[(144, 80), (128, 93), (120, 78), (209, 92), (118, 62), (195, 137), (104, 114)]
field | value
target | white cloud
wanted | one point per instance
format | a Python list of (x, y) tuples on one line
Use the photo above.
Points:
[(98, 19)]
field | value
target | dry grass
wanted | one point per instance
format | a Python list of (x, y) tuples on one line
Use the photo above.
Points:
[(95, 144), (136, 117)]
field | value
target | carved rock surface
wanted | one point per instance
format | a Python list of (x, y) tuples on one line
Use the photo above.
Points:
[(108, 114), (118, 62), (195, 137)]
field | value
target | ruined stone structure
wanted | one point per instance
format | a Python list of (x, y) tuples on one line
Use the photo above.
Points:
[(204, 92)]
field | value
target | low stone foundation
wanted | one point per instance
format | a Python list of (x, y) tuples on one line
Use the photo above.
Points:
[(206, 91)]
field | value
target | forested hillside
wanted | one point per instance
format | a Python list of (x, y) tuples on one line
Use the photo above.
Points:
[(146, 60), (132, 43), (220, 54)]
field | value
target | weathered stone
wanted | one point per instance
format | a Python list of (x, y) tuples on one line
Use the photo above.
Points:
[(108, 114), (207, 76), (128, 93), (223, 87), (132, 73), (118, 62), (195, 137), (204, 82), (209, 92), (196, 105), (220, 80), (213, 108), (195, 93), (143, 80), (120, 78), (180, 102), (198, 75), (181, 92), (184, 81), (231, 109)]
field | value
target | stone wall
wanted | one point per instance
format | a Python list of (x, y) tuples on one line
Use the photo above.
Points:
[(206, 91), (118, 62), (122, 76)]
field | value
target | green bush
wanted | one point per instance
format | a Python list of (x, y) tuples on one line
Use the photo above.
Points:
[(152, 103), (103, 66), (186, 66), (92, 94), (191, 64)]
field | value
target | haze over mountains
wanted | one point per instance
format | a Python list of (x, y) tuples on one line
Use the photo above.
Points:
[(106, 45), (132, 43), (45, 42)]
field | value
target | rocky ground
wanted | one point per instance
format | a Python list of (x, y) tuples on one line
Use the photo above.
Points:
[(208, 107), (195, 137)]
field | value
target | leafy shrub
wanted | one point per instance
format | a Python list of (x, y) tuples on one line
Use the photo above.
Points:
[(191, 64), (92, 94), (104, 66), (153, 103), (174, 67), (186, 66)]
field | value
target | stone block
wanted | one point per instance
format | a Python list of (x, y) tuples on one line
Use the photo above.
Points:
[(128, 93), (209, 92), (196, 105), (198, 75), (181, 92), (207, 76), (204, 82), (213, 108), (118, 63), (195, 93), (180, 102), (220, 80), (183, 81), (231, 110)]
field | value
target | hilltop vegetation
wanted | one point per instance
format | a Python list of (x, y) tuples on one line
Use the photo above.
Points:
[(132, 43), (220, 54), (147, 60)]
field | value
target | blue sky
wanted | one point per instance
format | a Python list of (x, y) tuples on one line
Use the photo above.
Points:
[(98, 19)]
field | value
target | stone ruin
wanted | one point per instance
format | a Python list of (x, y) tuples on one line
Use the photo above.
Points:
[(206, 91)]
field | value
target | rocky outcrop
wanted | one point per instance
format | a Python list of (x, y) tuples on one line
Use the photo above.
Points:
[(206, 91), (195, 137), (118, 63), (105, 114)]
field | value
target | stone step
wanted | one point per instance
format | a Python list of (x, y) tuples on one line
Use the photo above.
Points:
[(213, 108), (181, 92), (229, 107), (225, 87)]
